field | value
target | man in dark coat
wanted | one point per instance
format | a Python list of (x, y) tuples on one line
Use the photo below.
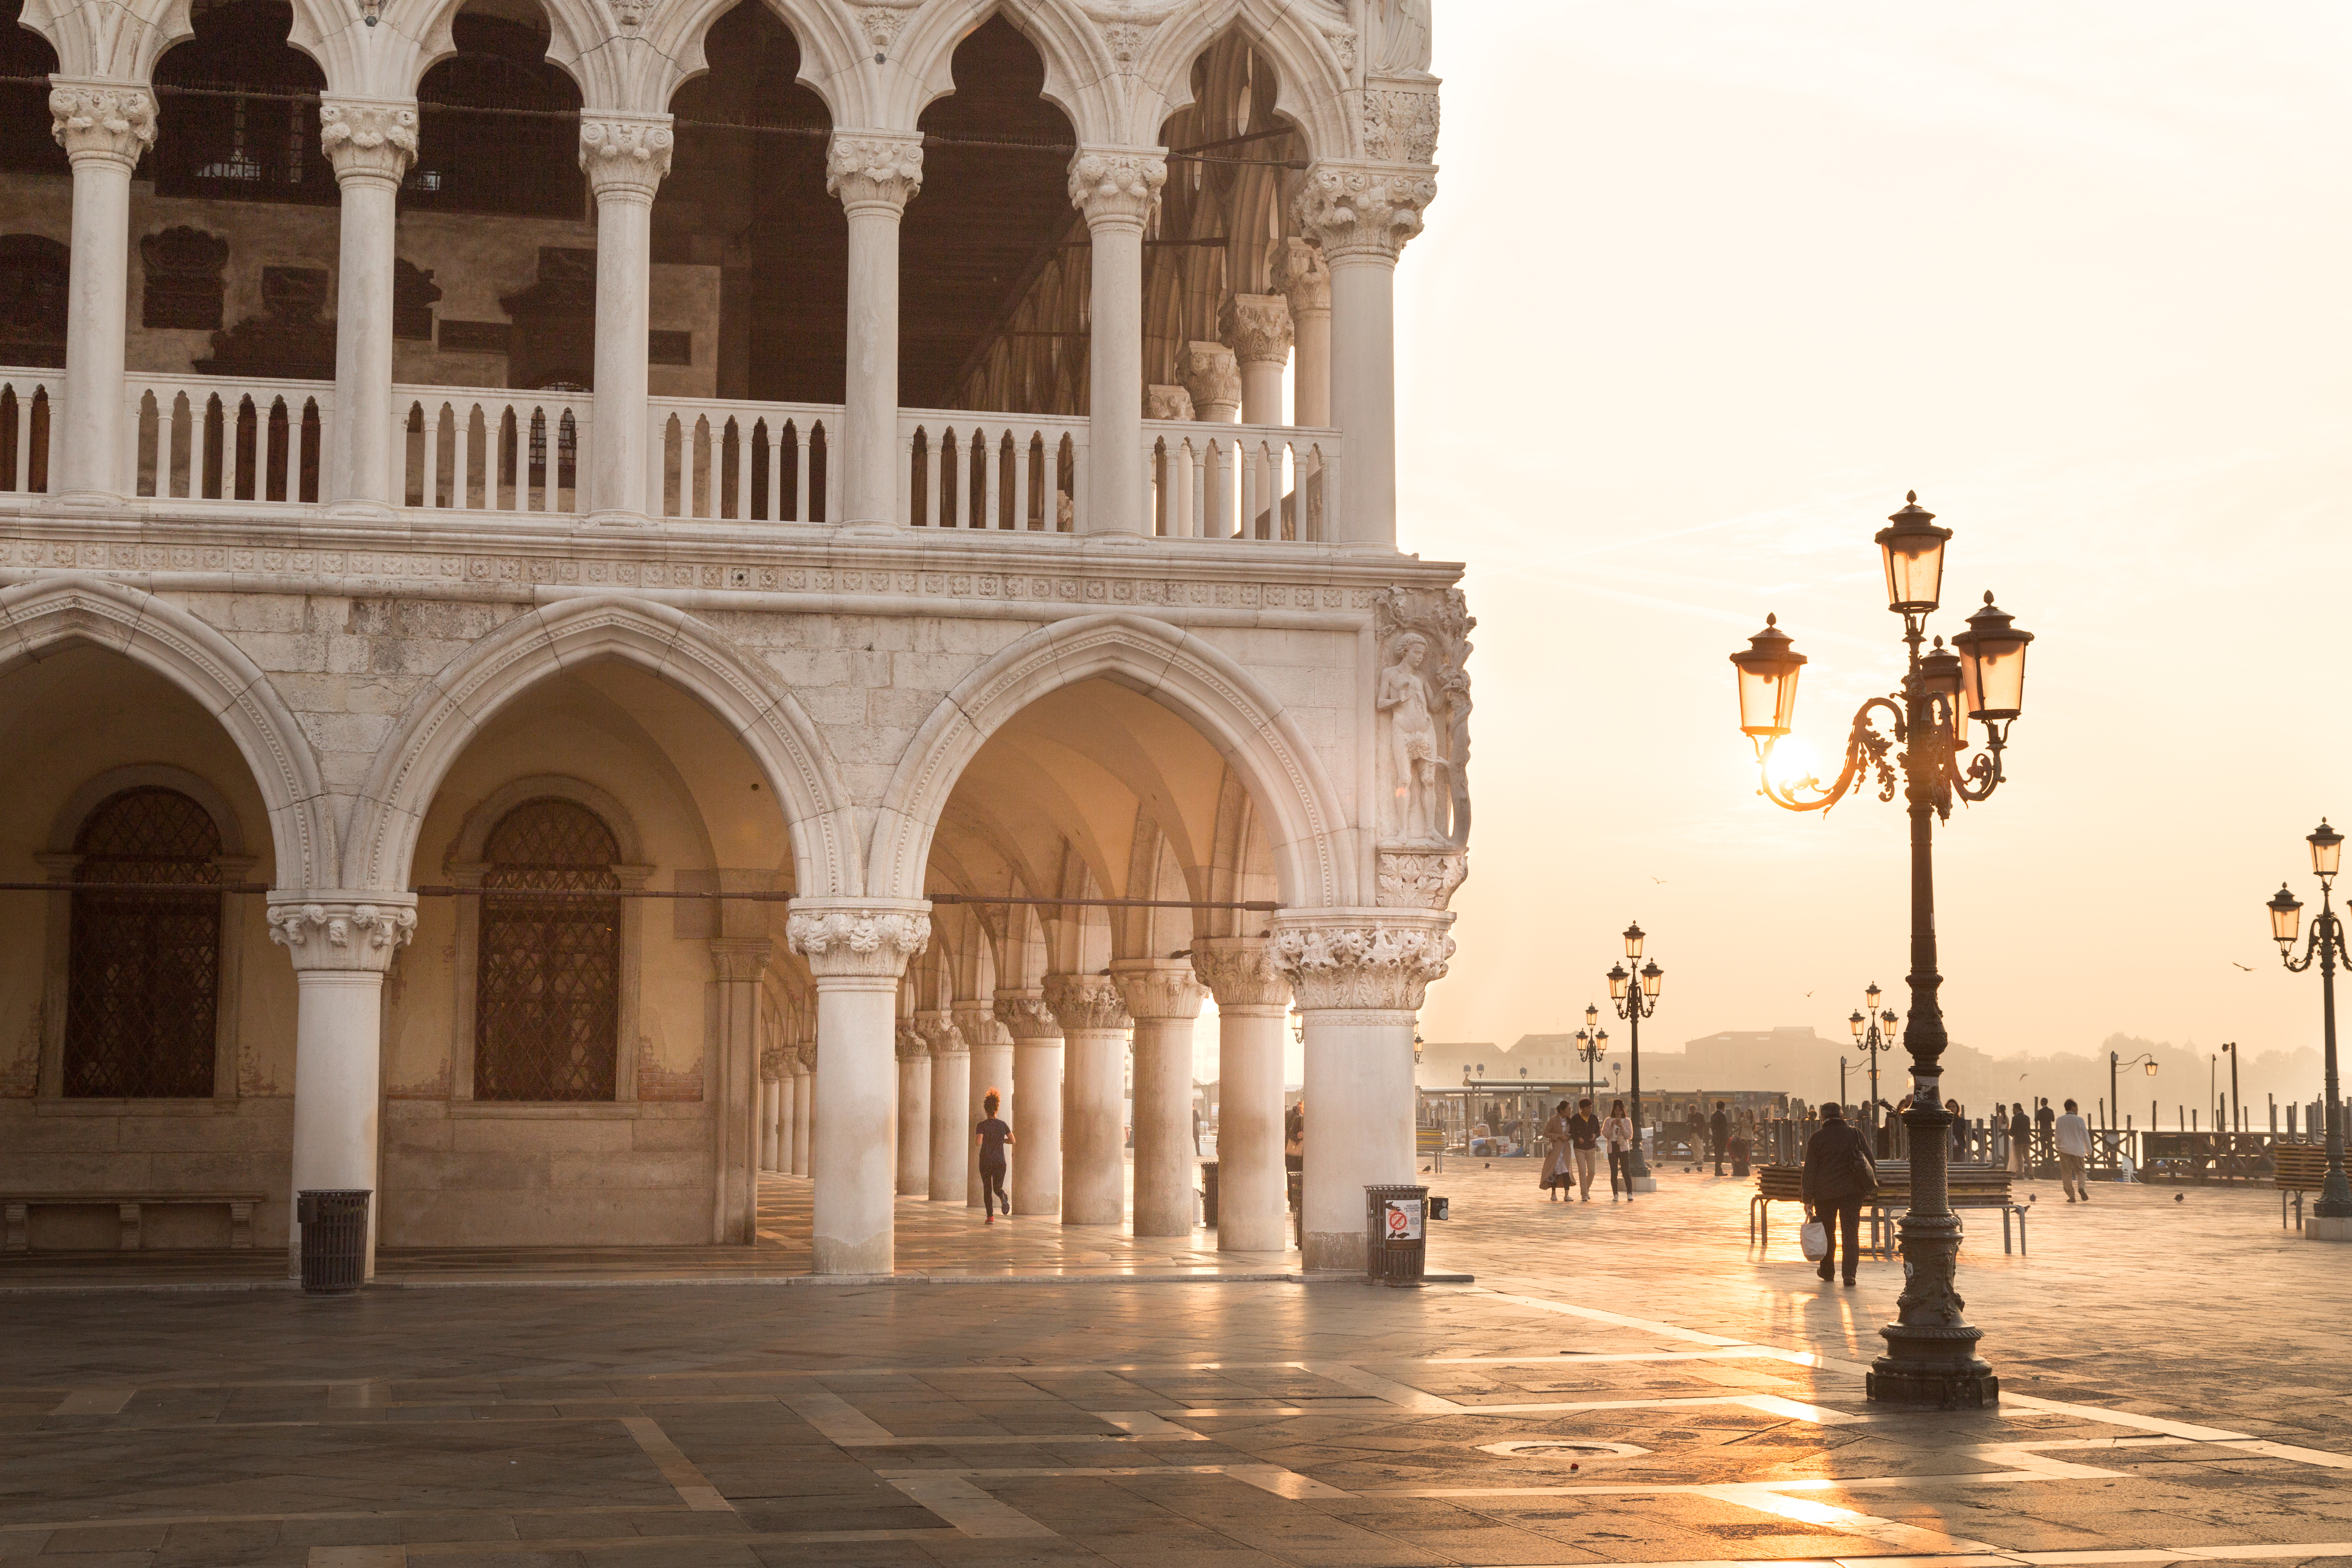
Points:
[(1839, 1174), (1719, 1128)]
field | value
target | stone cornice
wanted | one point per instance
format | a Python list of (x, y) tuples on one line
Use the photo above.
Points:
[(368, 138), (1361, 960), (351, 932), (1086, 1002), (110, 120), (874, 169), (625, 156), (853, 939), (1158, 989)]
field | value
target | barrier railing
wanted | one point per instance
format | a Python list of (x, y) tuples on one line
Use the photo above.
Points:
[(28, 398), (465, 449), (1241, 481), (747, 462), (973, 468), (219, 437)]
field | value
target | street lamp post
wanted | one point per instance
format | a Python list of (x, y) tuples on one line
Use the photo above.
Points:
[(2332, 1215), (1931, 1349), (1589, 1046), (2230, 1049), (1635, 997), (1873, 1031)]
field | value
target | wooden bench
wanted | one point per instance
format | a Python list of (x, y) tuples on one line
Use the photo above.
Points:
[(1970, 1187), (130, 1211), (2296, 1169), (1430, 1141)]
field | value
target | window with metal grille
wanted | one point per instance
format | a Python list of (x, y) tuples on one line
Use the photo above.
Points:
[(547, 990), (143, 969)]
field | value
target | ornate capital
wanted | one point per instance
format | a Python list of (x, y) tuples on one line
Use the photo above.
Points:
[(625, 156), (941, 1036), (1240, 972), (1117, 184), (772, 1064), (1302, 275), (804, 1058), (1158, 988), (854, 939), (1026, 1017), (1356, 209), (1400, 121), (912, 1047), (1213, 378), (102, 119), (1258, 327), (1420, 880), (1167, 403), (1085, 1002), (979, 1026), (1361, 961), (368, 138), (874, 168), (333, 933), (740, 958)]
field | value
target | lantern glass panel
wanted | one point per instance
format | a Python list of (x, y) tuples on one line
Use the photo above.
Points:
[(2286, 917), (2326, 848)]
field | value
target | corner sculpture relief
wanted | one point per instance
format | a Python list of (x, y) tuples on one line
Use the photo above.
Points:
[(1400, 37), (1421, 705)]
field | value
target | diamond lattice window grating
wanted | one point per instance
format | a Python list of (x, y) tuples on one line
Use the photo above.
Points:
[(142, 970), (547, 992)]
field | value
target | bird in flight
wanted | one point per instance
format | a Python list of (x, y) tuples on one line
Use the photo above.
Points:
[(1659, 880), (2247, 967)]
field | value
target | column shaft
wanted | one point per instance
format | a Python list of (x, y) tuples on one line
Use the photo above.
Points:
[(1094, 1097), (803, 1119), (371, 144), (874, 174), (735, 1196), (616, 446), (1117, 189), (914, 1138), (85, 443), (1252, 1000), (1301, 275), (950, 1098), (857, 1109), (991, 1067), (1164, 1000), (1359, 1105), (769, 1101), (1363, 392)]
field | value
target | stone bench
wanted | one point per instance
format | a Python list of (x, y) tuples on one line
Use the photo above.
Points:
[(130, 1209)]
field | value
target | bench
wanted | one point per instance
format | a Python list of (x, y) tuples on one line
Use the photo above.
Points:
[(2296, 1169), (1430, 1141), (1970, 1187), (130, 1209)]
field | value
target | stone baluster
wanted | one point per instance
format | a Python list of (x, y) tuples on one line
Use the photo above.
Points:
[(1035, 1113), (874, 174), (1257, 329), (103, 126), (1252, 999), (990, 1066), (914, 1124), (1117, 189), (1094, 1097), (370, 142), (625, 157), (951, 1097), (1301, 275), (1163, 997)]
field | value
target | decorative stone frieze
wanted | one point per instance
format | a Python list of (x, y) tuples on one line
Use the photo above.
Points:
[(874, 168), (941, 1035), (1240, 972), (1351, 961), (1356, 209), (1167, 403), (625, 156), (105, 120), (1117, 184), (1303, 277), (1085, 1002), (368, 138), (850, 941), (1214, 377), (1256, 327), (1400, 121), (1025, 1016), (1158, 988), (1422, 704), (335, 933), (1420, 880)]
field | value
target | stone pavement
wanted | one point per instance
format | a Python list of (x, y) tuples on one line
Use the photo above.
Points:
[(1624, 1385)]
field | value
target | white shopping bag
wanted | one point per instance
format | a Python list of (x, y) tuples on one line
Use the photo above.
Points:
[(1814, 1238)]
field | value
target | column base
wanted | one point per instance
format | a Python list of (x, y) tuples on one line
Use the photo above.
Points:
[(1936, 1387), (1333, 1252), (359, 512), (2334, 1227), (84, 501), (617, 517)]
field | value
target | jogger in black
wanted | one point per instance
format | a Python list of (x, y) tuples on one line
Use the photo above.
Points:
[(994, 1136)]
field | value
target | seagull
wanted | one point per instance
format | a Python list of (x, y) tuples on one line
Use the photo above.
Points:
[(2247, 967), (1659, 880)]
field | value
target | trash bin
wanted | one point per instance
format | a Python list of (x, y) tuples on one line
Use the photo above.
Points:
[(334, 1240), (1209, 1193), (1396, 1231)]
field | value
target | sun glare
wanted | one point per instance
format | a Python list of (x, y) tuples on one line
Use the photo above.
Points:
[(1793, 761)]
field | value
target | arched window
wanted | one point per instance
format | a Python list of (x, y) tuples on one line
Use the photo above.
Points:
[(142, 971), (547, 999)]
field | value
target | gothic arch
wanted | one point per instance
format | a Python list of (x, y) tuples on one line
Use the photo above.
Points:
[(37, 616), (1313, 91), (833, 63), (1315, 865), (1080, 75), (444, 717)]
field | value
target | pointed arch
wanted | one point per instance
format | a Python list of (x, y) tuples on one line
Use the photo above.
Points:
[(1315, 92), (1081, 79)]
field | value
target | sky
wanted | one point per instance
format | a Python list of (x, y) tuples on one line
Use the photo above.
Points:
[(1706, 289)]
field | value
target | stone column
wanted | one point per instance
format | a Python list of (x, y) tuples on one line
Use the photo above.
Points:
[(737, 963), (1163, 998), (1252, 1000), (1303, 279), (1359, 975), (874, 174), (1214, 379), (1362, 215), (856, 950), (781, 1160), (1257, 327), (803, 1110), (371, 142), (771, 1101), (1035, 1110), (103, 126), (1117, 189), (625, 157), (340, 948), (1094, 1097), (990, 1066), (914, 1126), (950, 1098)]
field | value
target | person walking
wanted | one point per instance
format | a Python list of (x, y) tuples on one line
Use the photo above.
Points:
[(1618, 1133), (993, 1138), (2044, 1124), (2021, 1135), (1584, 1141), (1958, 1127), (2073, 1136), (1718, 1133), (1839, 1174), (1556, 1138)]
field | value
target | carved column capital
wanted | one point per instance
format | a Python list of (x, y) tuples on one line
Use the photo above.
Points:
[(1364, 209), (1302, 277), (1157, 988), (108, 120), (941, 1036), (875, 170), (368, 138), (1368, 960), (1214, 377), (1086, 1002), (912, 1047), (853, 939), (772, 1064), (1167, 403), (625, 156), (1114, 185), (342, 931), (1258, 327), (740, 958), (1025, 1016), (1240, 973), (1400, 118), (979, 1025)]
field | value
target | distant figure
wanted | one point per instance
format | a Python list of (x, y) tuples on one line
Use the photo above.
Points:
[(1196, 1128), (1718, 1131), (1839, 1174), (1957, 1129), (994, 1137), (1584, 1141), (1554, 1179), (1294, 1137), (2021, 1134), (2045, 1121), (1619, 1132), (2073, 1141)]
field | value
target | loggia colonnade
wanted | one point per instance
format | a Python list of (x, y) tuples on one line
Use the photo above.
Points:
[(1148, 699)]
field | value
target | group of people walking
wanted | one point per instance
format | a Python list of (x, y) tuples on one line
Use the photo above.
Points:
[(1573, 1146)]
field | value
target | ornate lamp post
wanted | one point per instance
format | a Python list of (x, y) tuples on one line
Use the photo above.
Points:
[(1634, 1003), (2116, 1063), (1591, 1045), (1930, 1347), (2332, 1215), (1873, 1031)]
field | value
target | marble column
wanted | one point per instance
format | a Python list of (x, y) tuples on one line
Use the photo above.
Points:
[(991, 1067), (340, 948), (1256, 327), (1301, 276), (625, 157), (1035, 1110), (858, 951), (737, 963), (1163, 997), (1094, 1097), (370, 142), (786, 1081), (1117, 189), (950, 1098), (803, 1110), (103, 126), (1252, 1001), (1362, 215), (914, 1137), (771, 1100), (1359, 975), (1213, 378), (874, 174)]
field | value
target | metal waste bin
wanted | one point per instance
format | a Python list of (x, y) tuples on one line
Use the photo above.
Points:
[(1396, 1234), (334, 1240), (1209, 1193)]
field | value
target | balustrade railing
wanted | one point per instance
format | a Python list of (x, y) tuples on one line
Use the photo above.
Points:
[(970, 468), (1240, 481), (219, 437), (463, 448), (28, 398), (746, 462)]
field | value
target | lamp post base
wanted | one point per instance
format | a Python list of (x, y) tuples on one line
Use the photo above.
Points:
[(1938, 1389), (2327, 1227)]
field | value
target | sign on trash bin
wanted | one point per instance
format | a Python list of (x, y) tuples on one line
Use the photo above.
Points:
[(1403, 1219)]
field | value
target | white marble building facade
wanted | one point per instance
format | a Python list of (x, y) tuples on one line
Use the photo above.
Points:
[(386, 746)]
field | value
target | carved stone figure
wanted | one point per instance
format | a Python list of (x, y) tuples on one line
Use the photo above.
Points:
[(1424, 703), (1401, 29), (1414, 765)]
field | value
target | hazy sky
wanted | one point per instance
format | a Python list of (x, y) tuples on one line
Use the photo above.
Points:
[(1706, 287)]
